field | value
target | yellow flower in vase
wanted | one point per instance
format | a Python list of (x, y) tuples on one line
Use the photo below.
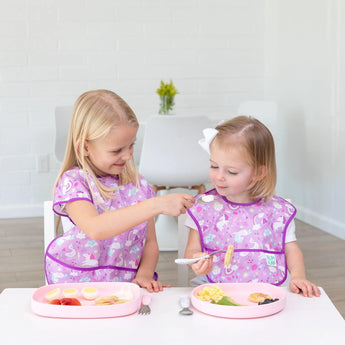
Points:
[(167, 94)]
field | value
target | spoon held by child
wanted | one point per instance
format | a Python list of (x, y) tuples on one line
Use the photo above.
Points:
[(183, 261)]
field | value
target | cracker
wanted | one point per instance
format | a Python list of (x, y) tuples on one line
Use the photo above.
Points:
[(257, 297)]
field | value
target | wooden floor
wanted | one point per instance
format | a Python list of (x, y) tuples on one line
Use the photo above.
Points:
[(21, 258)]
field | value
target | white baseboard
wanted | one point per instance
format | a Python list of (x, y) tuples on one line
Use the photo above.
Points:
[(21, 211), (324, 223)]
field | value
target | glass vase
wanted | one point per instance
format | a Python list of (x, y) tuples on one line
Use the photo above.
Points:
[(167, 104)]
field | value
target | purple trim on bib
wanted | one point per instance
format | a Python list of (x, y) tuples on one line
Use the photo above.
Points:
[(74, 256), (257, 230), (66, 202)]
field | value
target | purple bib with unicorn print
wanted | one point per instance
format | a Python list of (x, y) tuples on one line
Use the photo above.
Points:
[(257, 232), (75, 257)]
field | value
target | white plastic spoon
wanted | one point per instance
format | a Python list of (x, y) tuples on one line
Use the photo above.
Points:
[(192, 261)]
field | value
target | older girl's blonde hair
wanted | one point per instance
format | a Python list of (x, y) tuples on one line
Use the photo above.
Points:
[(94, 114), (257, 141)]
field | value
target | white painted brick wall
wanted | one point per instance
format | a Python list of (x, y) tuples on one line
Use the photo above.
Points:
[(52, 51)]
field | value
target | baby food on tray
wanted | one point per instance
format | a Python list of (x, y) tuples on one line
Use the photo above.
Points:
[(239, 300), (94, 300)]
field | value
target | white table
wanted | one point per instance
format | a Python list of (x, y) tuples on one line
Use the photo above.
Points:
[(303, 321)]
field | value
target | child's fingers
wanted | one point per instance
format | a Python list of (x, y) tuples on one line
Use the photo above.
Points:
[(294, 288), (188, 203), (316, 291), (203, 266), (306, 288), (149, 287), (189, 197), (303, 288), (157, 286)]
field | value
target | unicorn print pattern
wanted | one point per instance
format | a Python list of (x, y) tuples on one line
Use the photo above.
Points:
[(74, 257), (257, 232)]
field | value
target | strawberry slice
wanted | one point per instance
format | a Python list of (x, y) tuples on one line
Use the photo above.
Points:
[(55, 301), (70, 301), (66, 301)]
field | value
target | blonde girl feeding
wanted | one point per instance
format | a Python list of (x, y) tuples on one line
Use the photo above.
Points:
[(111, 207)]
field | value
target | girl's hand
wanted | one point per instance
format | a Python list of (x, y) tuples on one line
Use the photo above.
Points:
[(150, 285), (203, 266), (305, 287), (175, 204)]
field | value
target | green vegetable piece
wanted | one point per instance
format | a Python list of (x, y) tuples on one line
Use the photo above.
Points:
[(226, 300)]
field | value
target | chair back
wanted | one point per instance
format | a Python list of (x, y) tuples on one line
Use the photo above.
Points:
[(264, 111), (171, 155), (62, 120), (182, 239), (49, 223)]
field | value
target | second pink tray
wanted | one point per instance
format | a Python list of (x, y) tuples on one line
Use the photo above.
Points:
[(240, 293)]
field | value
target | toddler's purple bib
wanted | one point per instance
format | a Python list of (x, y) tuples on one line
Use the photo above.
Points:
[(74, 257), (257, 232)]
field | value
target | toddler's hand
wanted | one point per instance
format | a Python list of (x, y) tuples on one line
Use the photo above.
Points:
[(203, 266), (305, 287), (150, 284), (175, 204)]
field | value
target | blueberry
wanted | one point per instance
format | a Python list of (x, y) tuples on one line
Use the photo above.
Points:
[(267, 300)]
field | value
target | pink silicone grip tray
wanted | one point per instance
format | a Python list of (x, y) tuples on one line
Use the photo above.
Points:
[(240, 292), (41, 306)]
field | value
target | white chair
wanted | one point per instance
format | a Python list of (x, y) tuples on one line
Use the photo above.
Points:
[(182, 234), (49, 223), (268, 113), (265, 111), (50, 230), (62, 120), (172, 158)]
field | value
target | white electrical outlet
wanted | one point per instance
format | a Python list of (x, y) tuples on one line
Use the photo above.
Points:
[(43, 163)]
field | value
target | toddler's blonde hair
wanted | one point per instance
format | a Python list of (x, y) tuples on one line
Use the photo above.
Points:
[(94, 114), (248, 133)]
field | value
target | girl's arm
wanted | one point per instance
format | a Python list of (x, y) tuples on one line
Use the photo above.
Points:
[(295, 265), (148, 262), (193, 250), (111, 223)]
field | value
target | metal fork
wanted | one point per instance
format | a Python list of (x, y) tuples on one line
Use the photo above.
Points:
[(145, 308)]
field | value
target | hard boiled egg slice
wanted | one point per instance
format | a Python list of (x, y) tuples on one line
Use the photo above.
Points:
[(53, 294), (89, 293), (70, 293)]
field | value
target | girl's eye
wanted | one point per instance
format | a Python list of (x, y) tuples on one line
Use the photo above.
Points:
[(232, 172), (213, 167)]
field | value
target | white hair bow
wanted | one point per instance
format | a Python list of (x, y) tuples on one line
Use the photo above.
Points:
[(209, 134)]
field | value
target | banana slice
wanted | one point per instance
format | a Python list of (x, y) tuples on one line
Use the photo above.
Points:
[(228, 255), (107, 300), (110, 300)]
